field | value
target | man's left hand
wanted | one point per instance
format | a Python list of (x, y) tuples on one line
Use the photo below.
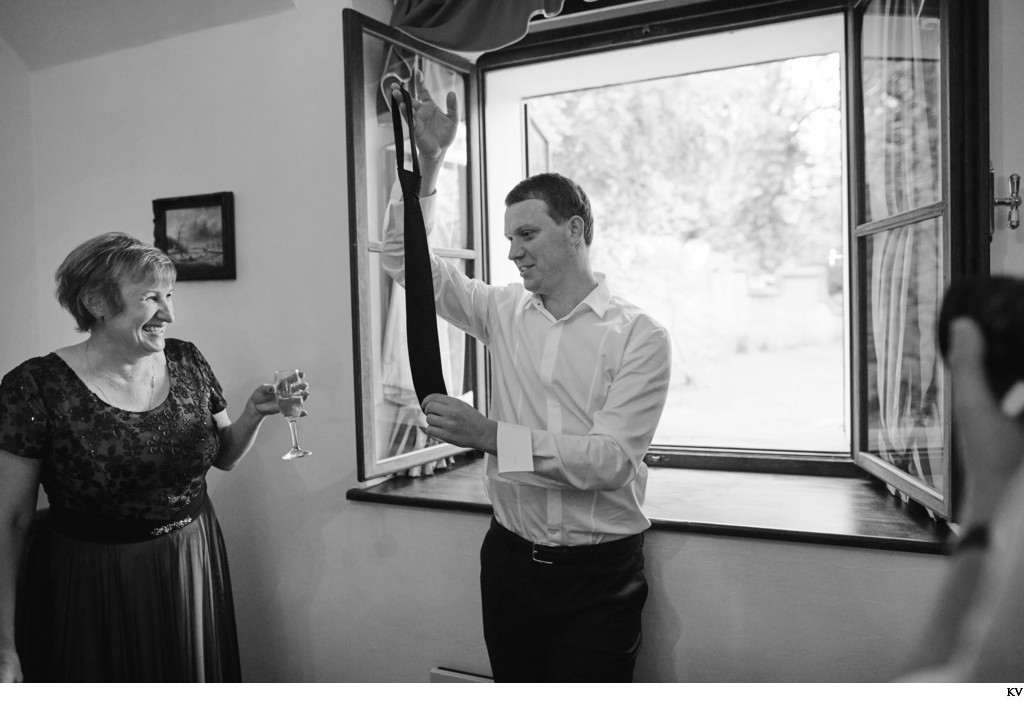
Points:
[(454, 421)]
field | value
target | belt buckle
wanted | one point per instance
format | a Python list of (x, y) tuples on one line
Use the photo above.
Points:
[(536, 557)]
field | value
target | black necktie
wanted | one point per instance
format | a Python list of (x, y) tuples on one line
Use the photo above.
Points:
[(420, 313)]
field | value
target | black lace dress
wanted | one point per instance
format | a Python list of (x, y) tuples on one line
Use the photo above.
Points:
[(106, 597)]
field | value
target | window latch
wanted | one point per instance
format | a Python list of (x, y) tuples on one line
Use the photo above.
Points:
[(1013, 201)]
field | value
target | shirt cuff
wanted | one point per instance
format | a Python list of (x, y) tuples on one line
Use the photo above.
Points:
[(515, 448), (427, 205)]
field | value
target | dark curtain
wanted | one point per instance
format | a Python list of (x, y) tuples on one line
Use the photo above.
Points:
[(469, 25)]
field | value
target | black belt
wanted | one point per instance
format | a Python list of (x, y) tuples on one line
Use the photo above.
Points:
[(570, 554), (101, 529)]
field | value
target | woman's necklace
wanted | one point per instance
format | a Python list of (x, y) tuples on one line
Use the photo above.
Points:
[(96, 384)]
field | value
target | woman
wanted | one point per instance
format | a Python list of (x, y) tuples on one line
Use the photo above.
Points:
[(127, 580)]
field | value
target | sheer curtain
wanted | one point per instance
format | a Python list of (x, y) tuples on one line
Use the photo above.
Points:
[(902, 109)]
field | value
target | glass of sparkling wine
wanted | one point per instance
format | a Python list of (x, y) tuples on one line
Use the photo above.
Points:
[(289, 401)]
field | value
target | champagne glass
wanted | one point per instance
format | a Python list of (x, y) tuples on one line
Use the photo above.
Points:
[(289, 401)]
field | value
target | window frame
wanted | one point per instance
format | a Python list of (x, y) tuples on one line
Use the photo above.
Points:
[(355, 27), (662, 24), (965, 210), (613, 37), (965, 94)]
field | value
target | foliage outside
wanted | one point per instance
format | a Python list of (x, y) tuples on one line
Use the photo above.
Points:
[(719, 209)]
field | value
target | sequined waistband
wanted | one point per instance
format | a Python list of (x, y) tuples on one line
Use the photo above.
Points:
[(99, 529)]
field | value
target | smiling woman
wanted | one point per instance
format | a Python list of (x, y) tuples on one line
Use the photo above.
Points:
[(120, 431)]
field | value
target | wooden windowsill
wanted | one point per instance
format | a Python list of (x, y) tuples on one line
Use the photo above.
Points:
[(843, 511)]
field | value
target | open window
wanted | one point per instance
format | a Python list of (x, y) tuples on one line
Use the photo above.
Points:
[(389, 421), (919, 220), (788, 186)]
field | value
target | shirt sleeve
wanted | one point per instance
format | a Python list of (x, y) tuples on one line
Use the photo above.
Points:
[(24, 424), (459, 299), (610, 454), (515, 448)]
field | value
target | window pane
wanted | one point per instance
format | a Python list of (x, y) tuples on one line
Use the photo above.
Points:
[(902, 106), (399, 420), (718, 201), (905, 387), (384, 65), (390, 423)]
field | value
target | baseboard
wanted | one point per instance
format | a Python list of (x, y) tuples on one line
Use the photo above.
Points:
[(442, 675)]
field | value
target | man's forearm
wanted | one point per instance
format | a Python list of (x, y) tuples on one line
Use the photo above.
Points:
[(430, 169)]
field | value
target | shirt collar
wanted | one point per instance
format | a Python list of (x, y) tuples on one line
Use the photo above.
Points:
[(599, 298)]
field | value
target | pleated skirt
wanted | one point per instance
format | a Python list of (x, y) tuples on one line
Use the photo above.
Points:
[(156, 611)]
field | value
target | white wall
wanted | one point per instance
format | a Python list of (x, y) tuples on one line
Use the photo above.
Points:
[(327, 589), (1006, 86), (741, 610), (19, 330)]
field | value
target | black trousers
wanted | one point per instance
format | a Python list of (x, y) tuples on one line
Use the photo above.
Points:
[(561, 614)]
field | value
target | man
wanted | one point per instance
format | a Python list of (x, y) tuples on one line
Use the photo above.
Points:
[(579, 381), (976, 633)]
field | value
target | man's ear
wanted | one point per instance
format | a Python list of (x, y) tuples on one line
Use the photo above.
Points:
[(576, 229)]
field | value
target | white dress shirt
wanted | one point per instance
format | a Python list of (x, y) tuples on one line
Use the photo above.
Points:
[(577, 399)]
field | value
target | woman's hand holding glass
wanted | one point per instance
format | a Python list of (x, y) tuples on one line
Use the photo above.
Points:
[(291, 391)]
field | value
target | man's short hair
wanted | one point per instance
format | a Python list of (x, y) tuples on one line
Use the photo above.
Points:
[(563, 197)]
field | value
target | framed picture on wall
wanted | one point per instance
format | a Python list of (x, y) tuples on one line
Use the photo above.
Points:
[(198, 234)]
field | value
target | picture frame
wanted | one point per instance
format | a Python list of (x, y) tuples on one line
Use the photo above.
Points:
[(197, 232)]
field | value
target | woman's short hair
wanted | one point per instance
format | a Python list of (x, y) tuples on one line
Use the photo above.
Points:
[(100, 266), (563, 197)]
